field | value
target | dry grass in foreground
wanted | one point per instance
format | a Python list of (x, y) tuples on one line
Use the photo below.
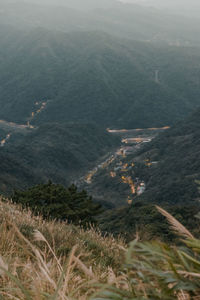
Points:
[(50, 260)]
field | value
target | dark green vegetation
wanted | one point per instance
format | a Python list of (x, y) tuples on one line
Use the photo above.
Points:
[(109, 185), (155, 270), (68, 71), (172, 183), (53, 201), (93, 77), (177, 151), (62, 153), (173, 164), (143, 218)]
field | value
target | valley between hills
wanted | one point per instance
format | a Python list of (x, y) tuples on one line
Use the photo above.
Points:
[(119, 167), (114, 163)]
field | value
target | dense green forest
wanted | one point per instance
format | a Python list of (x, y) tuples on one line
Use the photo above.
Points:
[(62, 153), (177, 152), (53, 201), (94, 77), (172, 182), (143, 218), (68, 71), (168, 165)]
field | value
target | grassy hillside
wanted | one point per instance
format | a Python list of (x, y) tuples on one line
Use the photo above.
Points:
[(50, 260), (36, 267), (61, 153)]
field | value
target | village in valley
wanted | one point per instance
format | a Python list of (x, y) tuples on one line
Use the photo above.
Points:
[(121, 167)]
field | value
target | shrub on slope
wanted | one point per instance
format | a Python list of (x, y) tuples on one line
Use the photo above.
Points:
[(53, 201)]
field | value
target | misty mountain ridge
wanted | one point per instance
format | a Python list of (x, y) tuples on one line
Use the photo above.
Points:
[(96, 78), (83, 5), (180, 7), (131, 21)]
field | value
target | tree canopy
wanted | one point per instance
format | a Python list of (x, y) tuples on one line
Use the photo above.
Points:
[(53, 201)]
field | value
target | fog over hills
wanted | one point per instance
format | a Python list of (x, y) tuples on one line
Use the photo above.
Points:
[(131, 21), (78, 4), (190, 9), (94, 77), (176, 6)]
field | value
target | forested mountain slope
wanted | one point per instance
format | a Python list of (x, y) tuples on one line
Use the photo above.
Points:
[(177, 153), (94, 77), (172, 181), (61, 153)]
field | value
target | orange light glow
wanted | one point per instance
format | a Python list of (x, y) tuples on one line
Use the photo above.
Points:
[(113, 174), (128, 180)]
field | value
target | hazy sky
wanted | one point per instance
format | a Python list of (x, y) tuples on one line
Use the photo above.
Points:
[(167, 3), (186, 7), (170, 4)]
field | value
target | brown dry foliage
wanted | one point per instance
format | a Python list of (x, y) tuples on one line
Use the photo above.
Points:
[(52, 259)]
